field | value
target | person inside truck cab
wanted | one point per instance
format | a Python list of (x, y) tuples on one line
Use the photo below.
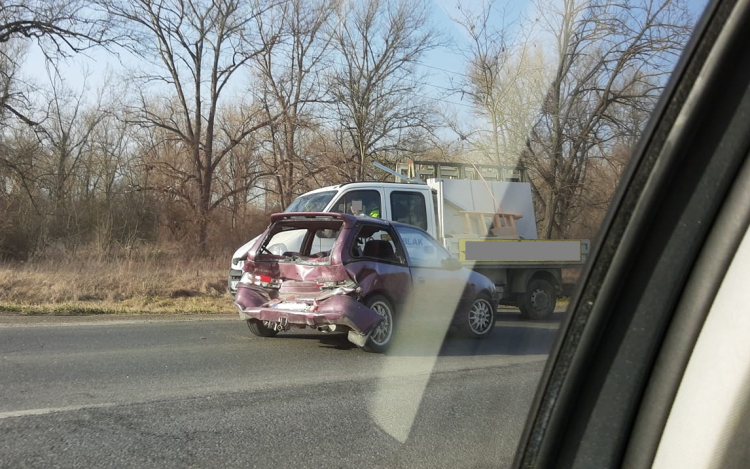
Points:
[(361, 209)]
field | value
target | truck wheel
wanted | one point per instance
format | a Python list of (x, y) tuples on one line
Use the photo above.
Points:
[(380, 337), (258, 328), (538, 301), (479, 320)]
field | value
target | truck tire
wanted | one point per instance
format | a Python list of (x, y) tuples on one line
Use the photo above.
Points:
[(257, 327), (538, 301)]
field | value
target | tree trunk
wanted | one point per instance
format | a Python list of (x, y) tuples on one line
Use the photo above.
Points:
[(550, 213)]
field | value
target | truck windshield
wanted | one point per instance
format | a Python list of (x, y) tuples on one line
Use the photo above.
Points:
[(311, 202)]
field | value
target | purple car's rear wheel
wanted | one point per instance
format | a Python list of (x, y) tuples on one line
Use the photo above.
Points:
[(479, 320), (380, 337)]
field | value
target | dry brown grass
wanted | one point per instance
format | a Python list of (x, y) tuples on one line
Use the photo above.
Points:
[(151, 280)]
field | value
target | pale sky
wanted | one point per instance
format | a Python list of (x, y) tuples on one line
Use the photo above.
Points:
[(442, 65)]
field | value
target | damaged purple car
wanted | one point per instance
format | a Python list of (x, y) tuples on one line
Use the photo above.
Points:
[(338, 272)]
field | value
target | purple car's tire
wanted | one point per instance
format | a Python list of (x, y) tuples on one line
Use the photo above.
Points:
[(478, 320), (261, 330), (382, 335)]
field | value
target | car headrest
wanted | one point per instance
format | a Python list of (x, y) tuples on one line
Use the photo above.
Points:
[(379, 248)]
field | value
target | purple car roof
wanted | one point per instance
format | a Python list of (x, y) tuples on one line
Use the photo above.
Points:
[(349, 220), (284, 215)]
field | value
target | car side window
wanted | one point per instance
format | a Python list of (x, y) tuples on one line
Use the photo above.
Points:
[(422, 249), (409, 208), (373, 242), (360, 203)]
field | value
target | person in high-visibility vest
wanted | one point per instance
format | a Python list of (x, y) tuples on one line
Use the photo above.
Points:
[(373, 205), (362, 210)]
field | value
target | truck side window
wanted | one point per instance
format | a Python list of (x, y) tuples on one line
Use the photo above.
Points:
[(361, 203), (409, 208)]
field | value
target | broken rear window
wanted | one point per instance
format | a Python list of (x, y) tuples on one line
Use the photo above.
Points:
[(307, 241)]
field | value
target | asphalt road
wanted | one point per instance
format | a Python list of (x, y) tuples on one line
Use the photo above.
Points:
[(206, 393)]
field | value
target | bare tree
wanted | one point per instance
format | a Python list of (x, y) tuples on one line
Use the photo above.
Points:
[(11, 94), (608, 58), (65, 129), (117, 210), (60, 28), (52, 165), (289, 75), (240, 173), (66, 25), (197, 48), (376, 88), (504, 82)]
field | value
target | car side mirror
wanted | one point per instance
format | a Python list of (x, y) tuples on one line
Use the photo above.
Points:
[(451, 263)]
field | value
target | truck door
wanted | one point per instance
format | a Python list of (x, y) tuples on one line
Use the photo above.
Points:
[(410, 207)]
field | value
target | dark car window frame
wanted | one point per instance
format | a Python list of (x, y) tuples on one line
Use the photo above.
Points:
[(398, 247), (611, 344)]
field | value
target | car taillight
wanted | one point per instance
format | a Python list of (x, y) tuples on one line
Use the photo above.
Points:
[(265, 281)]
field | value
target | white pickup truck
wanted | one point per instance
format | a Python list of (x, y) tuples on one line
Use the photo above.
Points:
[(488, 225)]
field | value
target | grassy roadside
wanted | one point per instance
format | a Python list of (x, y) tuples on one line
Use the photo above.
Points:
[(222, 305), (153, 282), (146, 282)]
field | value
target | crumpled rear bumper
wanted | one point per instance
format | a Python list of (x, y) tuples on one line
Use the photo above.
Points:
[(341, 310)]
